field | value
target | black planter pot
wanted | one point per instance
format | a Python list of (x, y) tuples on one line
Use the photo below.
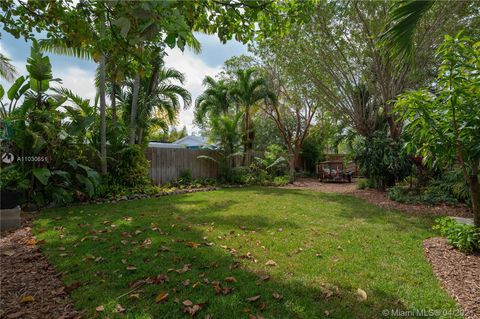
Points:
[(9, 199)]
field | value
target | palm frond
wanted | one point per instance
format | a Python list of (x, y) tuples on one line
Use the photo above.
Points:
[(56, 46), (404, 18), (7, 70)]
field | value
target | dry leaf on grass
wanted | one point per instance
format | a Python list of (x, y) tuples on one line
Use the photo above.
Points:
[(230, 279), (100, 308), (161, 297), (277, 296), (270, 263), (119, 308), (254, 298)]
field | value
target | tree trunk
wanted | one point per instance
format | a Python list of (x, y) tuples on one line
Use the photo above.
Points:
[(291, 164), (113, 99), (296, 157), (133, 111), (246, 146), (103, 113), (140, 135), (475, 195)]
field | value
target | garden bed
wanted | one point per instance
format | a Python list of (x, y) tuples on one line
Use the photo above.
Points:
[(30, 286), (458, 272)]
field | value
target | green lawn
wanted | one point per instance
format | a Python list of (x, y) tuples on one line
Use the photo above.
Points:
[(325, 247)]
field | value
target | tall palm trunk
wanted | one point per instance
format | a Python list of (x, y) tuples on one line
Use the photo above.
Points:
[(247, 142), (103, 115), (133, 112), (113, 99)]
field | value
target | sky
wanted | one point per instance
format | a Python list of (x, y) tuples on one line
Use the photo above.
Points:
[(78, 74)]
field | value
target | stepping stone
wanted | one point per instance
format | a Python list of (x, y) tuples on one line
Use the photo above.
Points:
[(463, 220)]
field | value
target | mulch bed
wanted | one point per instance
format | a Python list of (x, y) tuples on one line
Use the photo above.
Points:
[(458, 272), (30, 288)]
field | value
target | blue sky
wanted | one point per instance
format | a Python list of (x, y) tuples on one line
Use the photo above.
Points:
[(78, 74)]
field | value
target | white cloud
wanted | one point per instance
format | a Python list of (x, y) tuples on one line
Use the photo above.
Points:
[(195, 71), (81, 82)]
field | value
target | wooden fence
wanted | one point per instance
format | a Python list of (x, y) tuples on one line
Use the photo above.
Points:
[(167, 164)]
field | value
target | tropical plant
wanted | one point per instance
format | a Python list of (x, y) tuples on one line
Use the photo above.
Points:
[(444, 122), (382, 160), (158, 106), (51, 152), (225, 132), (464, 237), (214, 101), (249, 88)]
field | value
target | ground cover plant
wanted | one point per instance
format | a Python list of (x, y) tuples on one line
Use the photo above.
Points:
[(264, 252)]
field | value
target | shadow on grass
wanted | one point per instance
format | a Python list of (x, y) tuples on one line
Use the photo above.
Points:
[(161, 223), (354, 207)]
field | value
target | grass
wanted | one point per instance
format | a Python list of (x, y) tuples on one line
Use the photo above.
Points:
[(325, 247)]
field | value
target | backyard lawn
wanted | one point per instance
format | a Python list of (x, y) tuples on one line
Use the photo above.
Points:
[(272, 253)]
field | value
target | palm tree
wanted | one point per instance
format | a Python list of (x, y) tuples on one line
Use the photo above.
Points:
[(158, 106), (215, 100), (248, 90), (225, 132), (405, 16), (7, 70)]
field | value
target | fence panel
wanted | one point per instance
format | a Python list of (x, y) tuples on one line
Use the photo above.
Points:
[(166, 164)]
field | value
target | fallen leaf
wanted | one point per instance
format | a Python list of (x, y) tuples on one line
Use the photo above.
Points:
[(31, 242), (254, 298), (27, 299), (230, 279), (327, 313), (119, 308), (262, 306), (100, 308), (195, 285), (361, 295), (184, 269), (131, 267), (161, 297), (134, 296), (186, 282), (270, 263), (8, 253), (187, 303), (277, 296)]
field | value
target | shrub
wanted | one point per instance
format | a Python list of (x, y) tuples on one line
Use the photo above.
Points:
[(112, 190), (364, 184), (281, 180), (186, 175), (464, 237), (240, 175), (130, 167), (431, 195), (382, 160)]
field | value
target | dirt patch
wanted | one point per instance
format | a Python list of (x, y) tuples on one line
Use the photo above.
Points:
[(381, 199), (458, 272), (30, 286)]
